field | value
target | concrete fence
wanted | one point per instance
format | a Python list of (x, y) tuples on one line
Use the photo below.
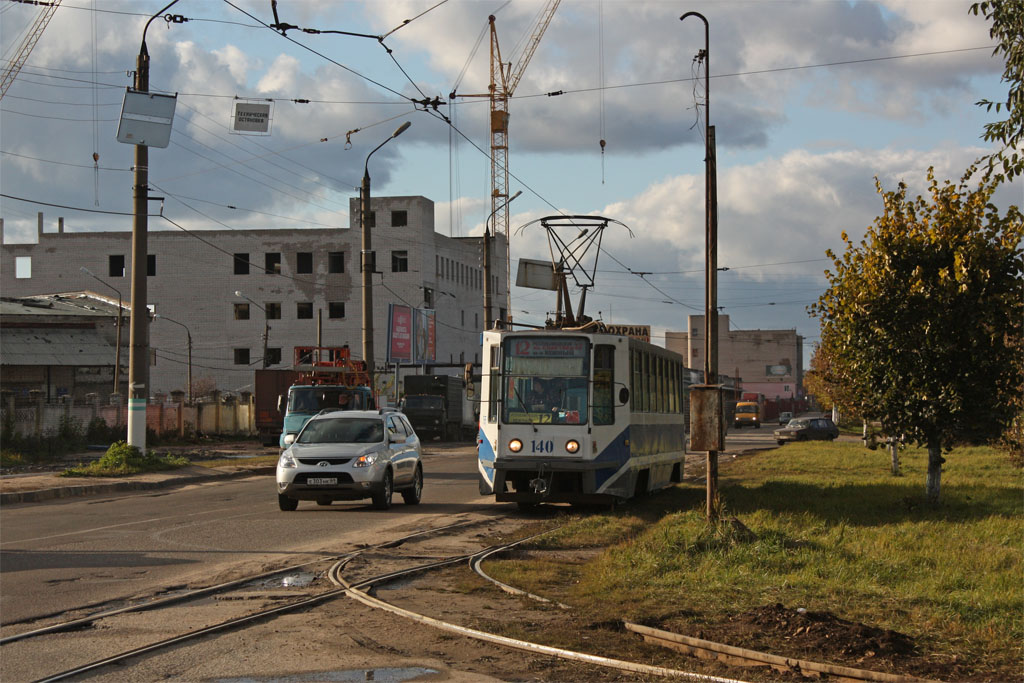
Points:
[(170, 416)]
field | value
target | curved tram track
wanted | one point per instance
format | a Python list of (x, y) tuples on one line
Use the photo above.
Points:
[(356, 589)]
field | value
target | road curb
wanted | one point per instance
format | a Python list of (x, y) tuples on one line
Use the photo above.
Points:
[(42, 495)]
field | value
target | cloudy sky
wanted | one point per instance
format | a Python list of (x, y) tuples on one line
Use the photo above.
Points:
[(811, 101)]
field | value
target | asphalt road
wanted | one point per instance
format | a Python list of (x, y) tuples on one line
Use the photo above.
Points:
[(69, 553), (73, 552)]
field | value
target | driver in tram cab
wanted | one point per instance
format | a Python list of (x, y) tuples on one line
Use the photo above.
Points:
[(543, 394)]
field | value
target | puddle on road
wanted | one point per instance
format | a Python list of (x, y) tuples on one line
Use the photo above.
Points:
[(293, 580), (388, 675)]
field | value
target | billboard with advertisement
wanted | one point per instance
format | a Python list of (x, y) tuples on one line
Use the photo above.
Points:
[(412, 334), (400, 334)]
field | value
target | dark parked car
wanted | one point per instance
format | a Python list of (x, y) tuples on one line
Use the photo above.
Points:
[(806, 429), (785, 417)]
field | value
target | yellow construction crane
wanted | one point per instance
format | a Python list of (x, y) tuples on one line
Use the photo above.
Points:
[(504, 79), (25, 49)]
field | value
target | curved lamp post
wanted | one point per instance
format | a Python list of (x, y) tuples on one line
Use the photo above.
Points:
[(487, 263), (710, 267), (266, 326), (117, 351), (189, 334), (366, 261)]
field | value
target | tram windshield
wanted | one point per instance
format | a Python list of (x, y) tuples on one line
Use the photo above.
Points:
[(545, 380)]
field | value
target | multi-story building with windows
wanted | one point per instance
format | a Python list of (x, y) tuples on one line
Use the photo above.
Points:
[(768, 362), (294, 287)]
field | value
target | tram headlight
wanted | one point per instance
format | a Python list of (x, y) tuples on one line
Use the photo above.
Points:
[(515, 445), (572, 446)]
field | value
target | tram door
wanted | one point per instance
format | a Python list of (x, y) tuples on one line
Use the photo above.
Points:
[(608, 436)]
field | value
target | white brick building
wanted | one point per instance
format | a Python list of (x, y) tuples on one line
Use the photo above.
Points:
[(295, 275)]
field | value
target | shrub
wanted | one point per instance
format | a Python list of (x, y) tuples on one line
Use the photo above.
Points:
[(122, 458)]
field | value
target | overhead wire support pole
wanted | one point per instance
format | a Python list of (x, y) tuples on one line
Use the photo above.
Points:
[(710, 268), (138, 351)]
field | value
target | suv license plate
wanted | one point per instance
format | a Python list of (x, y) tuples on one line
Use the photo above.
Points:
[(322, 481)]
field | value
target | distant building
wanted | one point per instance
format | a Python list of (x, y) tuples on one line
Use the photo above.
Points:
[(61, 345), (294, 277), (769, 362)]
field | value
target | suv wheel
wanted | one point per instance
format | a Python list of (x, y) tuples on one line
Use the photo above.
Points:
[(382, 500), (287, 504), (412, 495)]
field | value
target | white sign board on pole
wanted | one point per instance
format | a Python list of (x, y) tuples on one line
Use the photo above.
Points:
[(146, 118), (252, 117)]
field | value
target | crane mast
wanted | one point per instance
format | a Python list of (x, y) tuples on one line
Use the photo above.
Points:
[(504, 80), (25, 49)]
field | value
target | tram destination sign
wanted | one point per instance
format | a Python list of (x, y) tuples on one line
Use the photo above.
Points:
[(641, 332)]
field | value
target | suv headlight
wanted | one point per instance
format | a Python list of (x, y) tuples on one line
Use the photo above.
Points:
[(366, 460), (287, 460)]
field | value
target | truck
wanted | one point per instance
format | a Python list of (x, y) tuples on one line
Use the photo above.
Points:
[(270, 386), (322, 378), (438, 405)]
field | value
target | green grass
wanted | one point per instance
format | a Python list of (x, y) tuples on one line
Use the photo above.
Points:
[(822, 526), (122, 459)]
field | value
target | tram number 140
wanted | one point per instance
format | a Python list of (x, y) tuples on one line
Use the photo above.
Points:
[(542, 446)]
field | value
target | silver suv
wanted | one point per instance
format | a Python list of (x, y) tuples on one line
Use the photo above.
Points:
[(351, 455)]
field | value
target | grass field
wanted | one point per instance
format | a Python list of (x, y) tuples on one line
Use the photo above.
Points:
[(821, 526)]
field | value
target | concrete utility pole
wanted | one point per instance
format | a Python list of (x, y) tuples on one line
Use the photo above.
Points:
[(711, 265), (487, 263), (138, 356), (367, 261)]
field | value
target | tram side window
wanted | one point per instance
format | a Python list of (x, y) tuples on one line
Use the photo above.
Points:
[(647, 384), (604, 379), (495, 380)]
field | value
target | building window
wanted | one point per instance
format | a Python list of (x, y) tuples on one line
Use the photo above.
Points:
[(304, 310), (399, 219), (399, 262), (273, 311), (241, 264), (428, 297), (241, 356), (336, 309), (335, 262), (437, 265), (476, 321), (273, 356), (115, 265), (463, 316), (151, 265), (304, 262), (22, 267), (241, 311), (272, 263)]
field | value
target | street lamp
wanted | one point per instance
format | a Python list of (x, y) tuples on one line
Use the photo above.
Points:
[(487, 262), (117, 351), (138, 352), (366, 262), (266, 326), (710, 265), (189, 333)]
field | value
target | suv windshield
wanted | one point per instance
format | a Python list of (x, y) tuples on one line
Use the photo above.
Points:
[(338, 430), (315, 399)]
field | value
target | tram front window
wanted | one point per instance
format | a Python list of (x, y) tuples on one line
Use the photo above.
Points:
[(545, 381)]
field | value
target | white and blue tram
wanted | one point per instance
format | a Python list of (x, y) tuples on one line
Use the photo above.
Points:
[(578, 417)]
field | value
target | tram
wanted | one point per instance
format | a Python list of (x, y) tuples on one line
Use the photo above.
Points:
[(579, 417), (577, 412)]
